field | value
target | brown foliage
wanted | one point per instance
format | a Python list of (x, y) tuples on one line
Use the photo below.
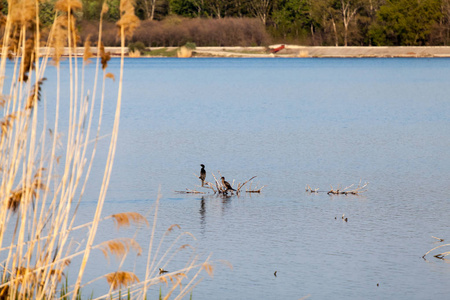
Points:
[(109, 34), (176, 31)]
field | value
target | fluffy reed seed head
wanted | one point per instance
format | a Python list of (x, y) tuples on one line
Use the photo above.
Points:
[(68, 6), (35, 94), (121, 279), (3, 100), (208, 268), (175, 278), (124, 219), (6, 124), (105, 8), (28, 61), (25, 275), (111, 76), (22, 12), (59, 37), (171, 227), (87, 50), (105, 56), (120, 247), (128, 21), (17, 196), (58, 273)]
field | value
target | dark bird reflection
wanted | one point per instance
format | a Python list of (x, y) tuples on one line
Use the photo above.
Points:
[(202, 213), (225, 203)]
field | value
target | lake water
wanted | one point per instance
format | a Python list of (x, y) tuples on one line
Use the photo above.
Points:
[(290, 122)]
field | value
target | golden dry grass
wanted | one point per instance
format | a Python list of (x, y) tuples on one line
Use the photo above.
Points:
[(184, 52), (135, 53)]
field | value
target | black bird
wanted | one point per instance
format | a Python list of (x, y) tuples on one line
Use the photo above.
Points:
[(162, 271), (227, 185), (202, 174)]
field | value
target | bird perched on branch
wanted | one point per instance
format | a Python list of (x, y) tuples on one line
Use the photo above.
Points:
[(162, 271), (227, 185), (202, 174)]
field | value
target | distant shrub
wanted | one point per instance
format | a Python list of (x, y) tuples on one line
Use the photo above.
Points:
[(175, 32), (137, 46), (109, 33), (190, 45)]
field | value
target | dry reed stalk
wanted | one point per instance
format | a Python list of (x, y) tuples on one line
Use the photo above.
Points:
[(42, 180), (65, 190)]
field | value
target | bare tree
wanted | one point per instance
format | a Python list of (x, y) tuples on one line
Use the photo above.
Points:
[(340, 14), (199, 5), (349, 8), (148, 7), (261, 9), (217, 7), (324, 12)]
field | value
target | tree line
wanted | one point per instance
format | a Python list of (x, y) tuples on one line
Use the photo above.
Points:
[(307, 22)]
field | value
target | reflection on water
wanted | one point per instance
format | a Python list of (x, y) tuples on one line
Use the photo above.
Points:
[(202, 212), (293, 122)]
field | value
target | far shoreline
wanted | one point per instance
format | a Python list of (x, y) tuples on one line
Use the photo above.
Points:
[(289, 51)]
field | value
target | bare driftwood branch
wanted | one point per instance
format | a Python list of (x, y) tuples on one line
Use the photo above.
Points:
[(241, 185), (219, 188), (311, 190), (346, 191), (255, 189)]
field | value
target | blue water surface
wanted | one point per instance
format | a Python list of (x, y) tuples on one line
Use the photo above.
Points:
[(290, 122)]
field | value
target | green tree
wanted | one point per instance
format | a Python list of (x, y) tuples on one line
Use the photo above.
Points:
[(185, 8), (91, 9), (46, 13), (405, 22), (292, 18)]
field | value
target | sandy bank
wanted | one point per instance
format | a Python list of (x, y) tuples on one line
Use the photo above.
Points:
[(297, 51), (303, 51)]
